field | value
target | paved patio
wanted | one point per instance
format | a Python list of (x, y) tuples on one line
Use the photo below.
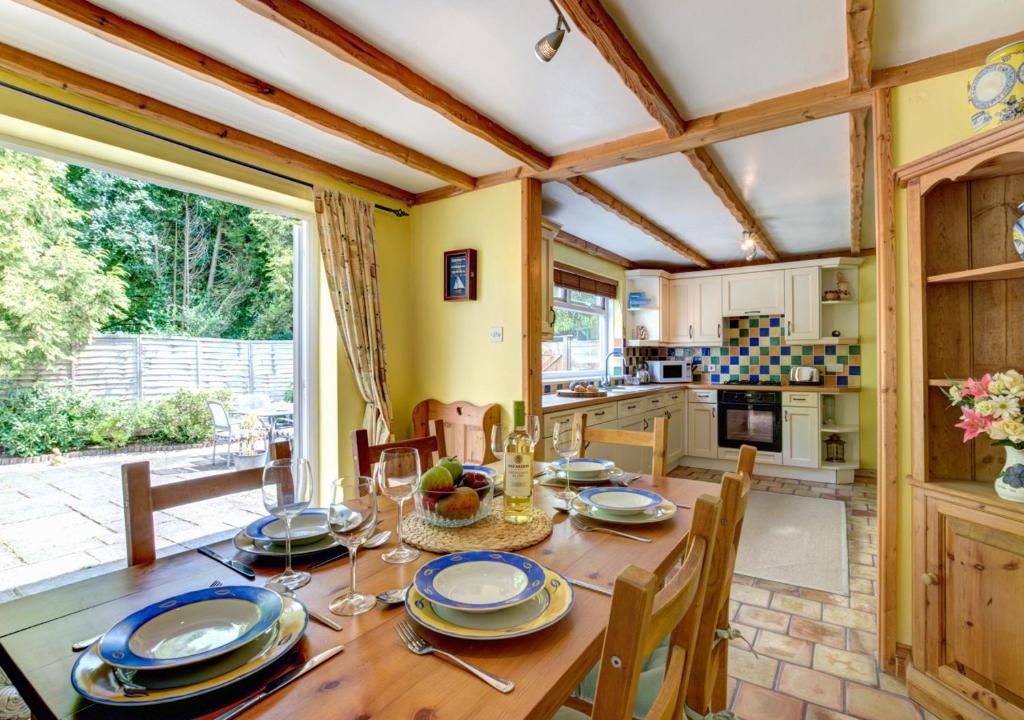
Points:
[(60, 523)]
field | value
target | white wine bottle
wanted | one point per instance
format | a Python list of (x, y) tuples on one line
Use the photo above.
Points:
[(518, 469)]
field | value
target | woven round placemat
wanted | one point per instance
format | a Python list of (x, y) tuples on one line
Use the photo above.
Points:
[(491, 533)]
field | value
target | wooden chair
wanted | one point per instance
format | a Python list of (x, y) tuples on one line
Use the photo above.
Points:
[(142, 498), (745, 462), (431, 448), (707, 690), (467, 427), (656, 440), (642, 618)]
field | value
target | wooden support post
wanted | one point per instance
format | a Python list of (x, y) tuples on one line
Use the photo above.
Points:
[(533, 276), (888, 377)]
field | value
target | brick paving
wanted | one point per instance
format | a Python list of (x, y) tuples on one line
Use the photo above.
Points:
[(815, 653), (62, 523)]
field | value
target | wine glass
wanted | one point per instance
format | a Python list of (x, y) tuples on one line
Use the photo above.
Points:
[(287, 491), (397, 472), (498, 440), (567, 440), (533, 428), (352, 517)]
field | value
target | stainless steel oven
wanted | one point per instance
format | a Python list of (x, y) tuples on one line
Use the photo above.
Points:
[(750, 417)]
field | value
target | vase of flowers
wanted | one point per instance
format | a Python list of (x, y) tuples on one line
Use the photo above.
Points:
[(992, 406)]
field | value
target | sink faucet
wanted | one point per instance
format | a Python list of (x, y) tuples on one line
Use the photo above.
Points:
[(617, 352)]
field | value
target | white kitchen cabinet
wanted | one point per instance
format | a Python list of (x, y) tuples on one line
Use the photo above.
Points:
[(704, 304), (605, 451), (702, 430), (678, 326), (547, 281), (803, 304), (801, 437), (755, 293), (675, 415)]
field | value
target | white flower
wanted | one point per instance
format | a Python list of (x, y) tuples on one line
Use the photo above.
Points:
[(997, 431), (985, 407), (1014, 430), (954, 394), (1005, 407)]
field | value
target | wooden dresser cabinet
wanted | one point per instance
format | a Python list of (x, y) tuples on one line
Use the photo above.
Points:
[(967, 319)]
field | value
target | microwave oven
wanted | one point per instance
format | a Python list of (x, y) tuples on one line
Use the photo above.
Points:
[(670, 371)]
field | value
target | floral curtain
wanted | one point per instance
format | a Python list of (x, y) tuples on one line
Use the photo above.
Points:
[(348, 248)]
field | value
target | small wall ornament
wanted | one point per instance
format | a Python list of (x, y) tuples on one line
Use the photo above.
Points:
[(460, 275), (997, 92)]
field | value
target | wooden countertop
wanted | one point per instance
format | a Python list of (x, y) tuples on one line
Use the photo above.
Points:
[(554, 403)]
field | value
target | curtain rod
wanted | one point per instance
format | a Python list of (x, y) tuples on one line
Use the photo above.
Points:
[(397, 212)]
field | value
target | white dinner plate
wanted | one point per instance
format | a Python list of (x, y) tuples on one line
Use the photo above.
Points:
[(554, 479), (479, 581), (276, 550), (307, 527), (583, 468), (657, 514), (622, 500)]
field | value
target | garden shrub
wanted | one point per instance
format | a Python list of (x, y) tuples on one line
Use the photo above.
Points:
[(184, 418)]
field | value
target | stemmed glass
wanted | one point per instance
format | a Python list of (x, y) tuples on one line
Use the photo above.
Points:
[(397, 472), (352, 517), (287, 491), (533, 428), (498, 440), (567, 439)]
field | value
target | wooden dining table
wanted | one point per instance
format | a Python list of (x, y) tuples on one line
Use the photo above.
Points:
[(376, 676)]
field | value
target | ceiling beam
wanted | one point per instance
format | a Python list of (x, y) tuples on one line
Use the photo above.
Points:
[(705, 166), (135, 37), (860, 20), (60, 77), (594, 192), (590, 248), (953, 61), (858, 159), (348, 47), (594, 22)]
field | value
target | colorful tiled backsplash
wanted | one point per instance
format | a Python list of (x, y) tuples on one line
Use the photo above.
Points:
[(755, 350)]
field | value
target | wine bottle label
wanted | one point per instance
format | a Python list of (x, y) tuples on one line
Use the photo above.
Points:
[(518, 475)]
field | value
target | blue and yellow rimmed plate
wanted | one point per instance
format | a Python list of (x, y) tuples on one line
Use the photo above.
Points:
[(190, 628), (583, 468), (659, 513), (622, 500), (307, 527), (547, 607), (479, 581), (96, 680)]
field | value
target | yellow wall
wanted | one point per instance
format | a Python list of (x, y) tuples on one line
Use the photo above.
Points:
[(867, 289), (927, 116), (454, 359)]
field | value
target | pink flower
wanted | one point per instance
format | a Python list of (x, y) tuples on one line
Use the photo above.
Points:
[(974, 424), (977, 388)]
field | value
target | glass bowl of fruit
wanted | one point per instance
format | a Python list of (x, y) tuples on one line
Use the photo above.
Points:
[(450, 495)]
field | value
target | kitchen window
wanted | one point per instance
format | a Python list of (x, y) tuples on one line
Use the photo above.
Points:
[(582, 335)]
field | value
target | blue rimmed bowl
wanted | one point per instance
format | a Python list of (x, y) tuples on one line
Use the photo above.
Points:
[(189, 628), (583, 468), (621, 501), (480, 581), (309, 526)]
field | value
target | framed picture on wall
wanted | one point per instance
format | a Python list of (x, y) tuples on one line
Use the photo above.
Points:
[(460, 275)]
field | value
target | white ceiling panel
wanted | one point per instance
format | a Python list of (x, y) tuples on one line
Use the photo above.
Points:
[(796, 182), (58, 41), (713, 56), (482, 52), (910, 30), (229, 32), (581, 217), (670, 193)]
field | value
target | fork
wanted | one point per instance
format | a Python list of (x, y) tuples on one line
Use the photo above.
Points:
[(420, 646), (586, 527), (88, 642)]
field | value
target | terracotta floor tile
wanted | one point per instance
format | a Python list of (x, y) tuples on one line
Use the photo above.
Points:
[(767, 619), (815, 712), (811, 685), (825, 597), (757, 703), (784, 647), (860, 601), (862, 586), (861, 641), (848, 617), (850, 665), (868, 572), (776, 586), (750, 595), (818, 632), (759, 669), (796, 606), (870, 704), (892, 684)]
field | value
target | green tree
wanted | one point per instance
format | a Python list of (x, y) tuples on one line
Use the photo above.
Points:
[(53, 294)]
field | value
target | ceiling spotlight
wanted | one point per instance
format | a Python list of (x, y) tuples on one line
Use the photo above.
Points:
[(548, 45), (748, 245)]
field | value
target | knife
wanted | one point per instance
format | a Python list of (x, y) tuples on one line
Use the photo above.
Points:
[(279, 682), (589, 586), (240, 568)]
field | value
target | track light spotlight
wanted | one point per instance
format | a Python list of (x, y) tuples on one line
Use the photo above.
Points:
[(748, 245), (548, 45)]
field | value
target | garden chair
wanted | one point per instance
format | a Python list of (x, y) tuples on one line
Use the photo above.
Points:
[(142, 498), (223, 429), (430, 448)]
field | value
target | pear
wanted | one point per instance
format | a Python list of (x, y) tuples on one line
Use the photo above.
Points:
[(460, 505)]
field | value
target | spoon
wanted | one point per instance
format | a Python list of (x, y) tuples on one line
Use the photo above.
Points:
[(395, 596)]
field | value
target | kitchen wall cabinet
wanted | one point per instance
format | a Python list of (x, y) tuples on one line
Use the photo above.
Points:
[(547, 269), (801, 437), (803, 304), (704, 306), (679, 325), (702, 430), (755, 293)]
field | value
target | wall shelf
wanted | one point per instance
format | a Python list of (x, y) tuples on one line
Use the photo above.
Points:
[(839, 466), (945, 382), (838, 302), (1006, 271), (839, 429)]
